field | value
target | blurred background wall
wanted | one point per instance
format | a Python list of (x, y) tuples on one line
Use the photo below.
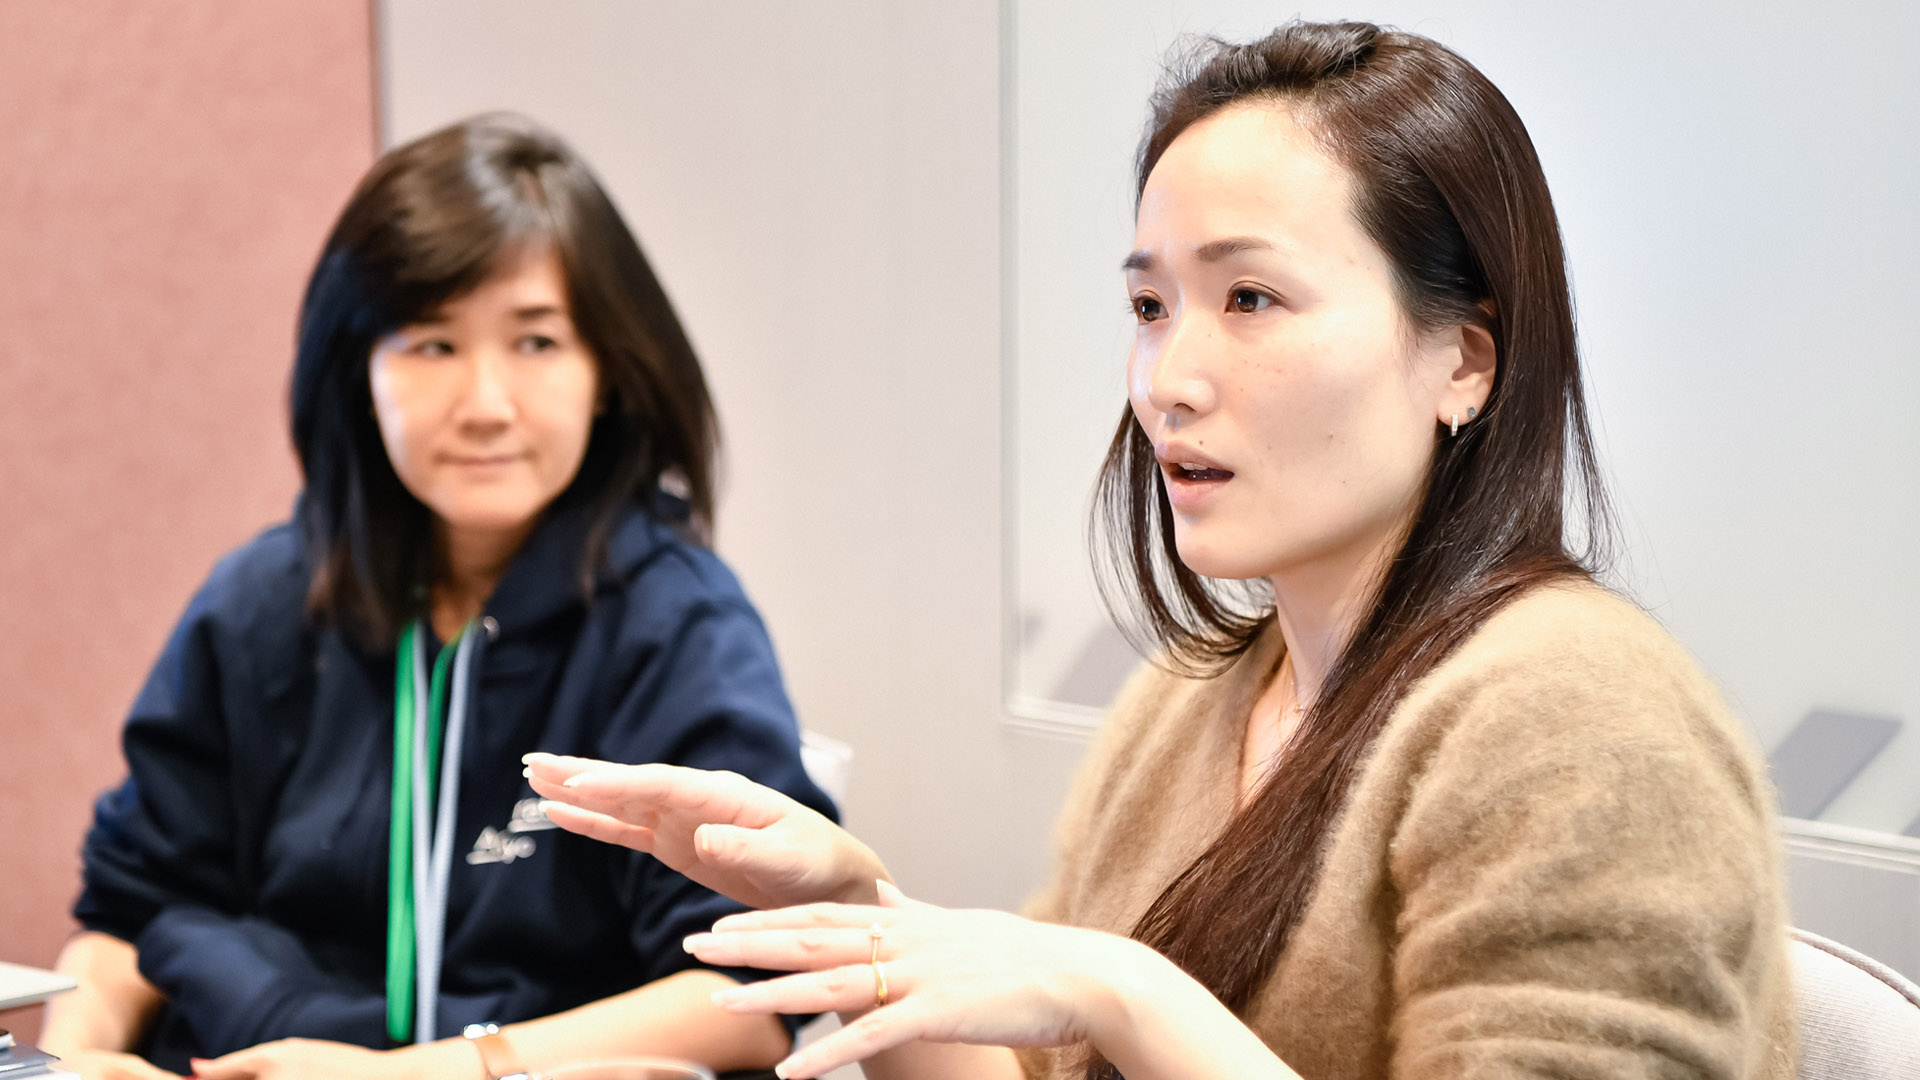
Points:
[(167, 172)]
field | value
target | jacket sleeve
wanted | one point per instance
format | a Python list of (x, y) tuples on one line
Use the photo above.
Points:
[(166, 835), (1588, 882), (171, 861), (240, 981), (709, 696)]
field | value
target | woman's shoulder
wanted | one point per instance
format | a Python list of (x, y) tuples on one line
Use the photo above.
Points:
[(664, 583), (1577, 635), (249, 617), (1570, 618), (1573, 669), (266, 577)]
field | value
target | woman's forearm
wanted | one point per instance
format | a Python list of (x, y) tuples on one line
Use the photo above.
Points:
[(111, 1007), (1155, 1022), (942, 1061), (673, 1017)]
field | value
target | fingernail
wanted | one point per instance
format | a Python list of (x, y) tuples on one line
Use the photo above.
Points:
[(526, 759), (694, 941), (527, 772), (781, 1070)]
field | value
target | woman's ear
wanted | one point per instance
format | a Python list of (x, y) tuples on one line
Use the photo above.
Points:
[(1470, 381), (1478, 359)]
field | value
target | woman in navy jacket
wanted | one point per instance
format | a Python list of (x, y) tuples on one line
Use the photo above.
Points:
[(325, 859)]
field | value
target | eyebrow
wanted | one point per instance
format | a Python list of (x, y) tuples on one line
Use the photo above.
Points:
[(1209, 252)]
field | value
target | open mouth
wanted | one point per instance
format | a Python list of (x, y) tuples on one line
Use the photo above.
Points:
[(1196, 473)]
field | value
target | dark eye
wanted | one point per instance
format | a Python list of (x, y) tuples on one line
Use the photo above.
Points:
[(1248, 301), (1147, 309), (538, 343), (434, 347)]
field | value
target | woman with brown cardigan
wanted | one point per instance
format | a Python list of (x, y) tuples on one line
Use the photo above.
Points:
[(1407, 794)]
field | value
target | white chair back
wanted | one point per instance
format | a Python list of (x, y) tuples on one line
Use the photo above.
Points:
[(1859, 1019)]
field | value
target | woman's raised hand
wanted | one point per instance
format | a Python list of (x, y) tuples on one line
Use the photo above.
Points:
[(736, 837), (981, 977)]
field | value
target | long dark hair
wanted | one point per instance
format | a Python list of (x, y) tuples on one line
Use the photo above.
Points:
[(1449, 187), (430, 221)]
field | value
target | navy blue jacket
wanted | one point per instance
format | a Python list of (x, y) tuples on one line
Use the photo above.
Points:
[(245, 856)]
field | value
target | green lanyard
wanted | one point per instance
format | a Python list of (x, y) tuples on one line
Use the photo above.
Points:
[(414, 787)]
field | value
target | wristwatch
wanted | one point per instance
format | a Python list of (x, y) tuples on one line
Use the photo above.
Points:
[(496, 1054)]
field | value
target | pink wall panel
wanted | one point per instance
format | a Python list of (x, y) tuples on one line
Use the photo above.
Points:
[(167, 172)]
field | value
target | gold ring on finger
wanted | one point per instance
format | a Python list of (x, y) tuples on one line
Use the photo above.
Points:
[(879, 972)]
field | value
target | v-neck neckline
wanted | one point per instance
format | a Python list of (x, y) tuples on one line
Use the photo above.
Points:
[(1246, 680)]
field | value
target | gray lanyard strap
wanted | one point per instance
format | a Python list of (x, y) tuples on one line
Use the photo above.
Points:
[(433, 860)]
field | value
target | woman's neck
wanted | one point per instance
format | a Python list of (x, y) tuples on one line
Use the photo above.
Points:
[(1319, 605), (472, 563)]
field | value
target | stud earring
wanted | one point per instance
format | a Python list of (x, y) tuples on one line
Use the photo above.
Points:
[(1472, 412), (1453, 428)]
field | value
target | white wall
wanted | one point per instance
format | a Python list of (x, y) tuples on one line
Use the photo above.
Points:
[(818, 185)]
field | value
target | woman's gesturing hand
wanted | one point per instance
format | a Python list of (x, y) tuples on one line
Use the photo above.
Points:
[(726, 832), (982, 977)]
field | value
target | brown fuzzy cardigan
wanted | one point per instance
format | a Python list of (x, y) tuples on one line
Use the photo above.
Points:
[(1558, 860)]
